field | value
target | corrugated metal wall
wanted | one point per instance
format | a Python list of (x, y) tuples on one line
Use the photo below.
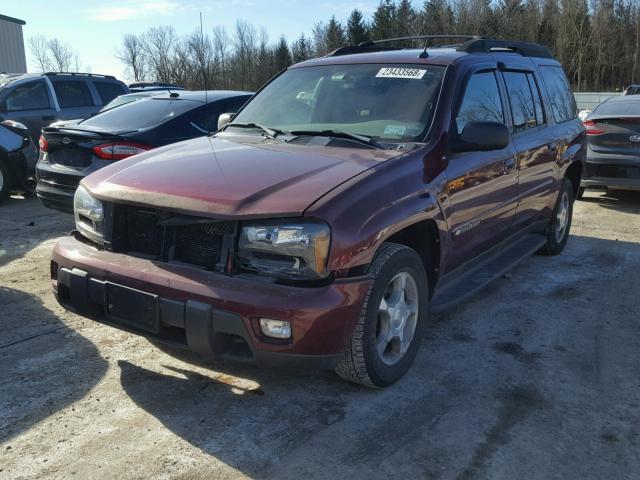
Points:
[(590, 100), (12, 56)]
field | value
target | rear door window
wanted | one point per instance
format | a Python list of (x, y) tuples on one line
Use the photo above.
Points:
[(481, 101), (108, 91), (72, 93), (28, 96), (563, 105), (523, 106)]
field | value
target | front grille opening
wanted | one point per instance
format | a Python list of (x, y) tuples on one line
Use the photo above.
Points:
[(169, 237)]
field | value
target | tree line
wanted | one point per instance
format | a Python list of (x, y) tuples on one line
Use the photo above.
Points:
[(597, 41)]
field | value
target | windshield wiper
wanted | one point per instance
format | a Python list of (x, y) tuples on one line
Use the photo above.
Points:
[(338, 134), (270, 132)]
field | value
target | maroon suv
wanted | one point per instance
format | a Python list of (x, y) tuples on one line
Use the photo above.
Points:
[(352, 195)]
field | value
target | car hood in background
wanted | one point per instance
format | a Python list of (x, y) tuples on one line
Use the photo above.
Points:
[(219, 177)]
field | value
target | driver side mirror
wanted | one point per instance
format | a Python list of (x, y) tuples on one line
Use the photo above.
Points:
[(483, 136), (224, 119)]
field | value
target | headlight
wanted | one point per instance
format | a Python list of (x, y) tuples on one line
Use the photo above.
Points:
[(287, 249), (89, 215)]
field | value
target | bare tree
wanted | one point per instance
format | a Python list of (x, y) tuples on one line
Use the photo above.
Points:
[(133, 56), (63, 57), (40, 51), (53, 55), (221, 56), (158, 45)]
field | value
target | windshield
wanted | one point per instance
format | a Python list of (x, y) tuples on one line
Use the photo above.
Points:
[(137, 115), (390, 103)]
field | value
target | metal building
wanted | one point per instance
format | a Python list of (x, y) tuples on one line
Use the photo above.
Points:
[(12, 56)]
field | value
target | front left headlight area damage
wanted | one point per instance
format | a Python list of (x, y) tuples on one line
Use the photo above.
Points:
[(89, 215), (290, 251)]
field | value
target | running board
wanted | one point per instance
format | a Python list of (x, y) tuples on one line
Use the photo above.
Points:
[(490, 269)]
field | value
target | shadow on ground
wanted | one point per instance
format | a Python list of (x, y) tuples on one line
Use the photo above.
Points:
[(620, 200), (25, 224), (520, 382), (45, 365)]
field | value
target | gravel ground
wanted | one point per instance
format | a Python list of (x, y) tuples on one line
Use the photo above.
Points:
[(536, 378)]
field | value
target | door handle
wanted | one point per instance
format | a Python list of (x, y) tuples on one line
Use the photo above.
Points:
[(509, 164), (48, 117)]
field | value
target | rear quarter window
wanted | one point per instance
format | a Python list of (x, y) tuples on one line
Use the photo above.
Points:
[(133, 116), (72, 93), (626, 107), (108, 91), (563, 105)]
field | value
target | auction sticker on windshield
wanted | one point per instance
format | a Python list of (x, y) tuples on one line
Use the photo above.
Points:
[(395, 72)]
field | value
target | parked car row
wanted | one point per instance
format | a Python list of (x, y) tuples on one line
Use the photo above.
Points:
[(70, 152), (57, 99), (613, 154)]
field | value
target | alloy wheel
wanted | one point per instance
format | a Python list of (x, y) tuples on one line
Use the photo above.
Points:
[(562, 217), (397, 318)]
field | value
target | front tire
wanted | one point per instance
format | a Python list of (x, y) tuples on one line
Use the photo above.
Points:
[(391, 324), (557, 232)]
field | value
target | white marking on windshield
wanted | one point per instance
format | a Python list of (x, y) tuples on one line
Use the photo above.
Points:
[(395, 72)]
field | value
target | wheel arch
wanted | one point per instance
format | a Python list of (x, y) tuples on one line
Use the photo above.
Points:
[(423, 237), (574, 174)]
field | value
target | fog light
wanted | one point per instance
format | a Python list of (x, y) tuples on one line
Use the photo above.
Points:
[(275, 328)]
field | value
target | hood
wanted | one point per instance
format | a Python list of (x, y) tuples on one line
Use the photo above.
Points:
[(221, 178)]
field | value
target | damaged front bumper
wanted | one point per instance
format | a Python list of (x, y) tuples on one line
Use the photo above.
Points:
[(209, 313)]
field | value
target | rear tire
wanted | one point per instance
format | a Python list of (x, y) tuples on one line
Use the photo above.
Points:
[(6, 181), (557, 232), (391, 324)]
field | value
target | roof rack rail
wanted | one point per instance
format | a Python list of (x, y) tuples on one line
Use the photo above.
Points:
[(420, 37), (153, 84), (473, 44), (53, 74), (375, 45), (488, 45)]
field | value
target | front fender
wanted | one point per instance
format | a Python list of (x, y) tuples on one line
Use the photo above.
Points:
[(384, 200)]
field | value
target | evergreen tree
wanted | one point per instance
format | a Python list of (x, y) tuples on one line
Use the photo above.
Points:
[(335, 34), (281, 55), (405, 19), (301, 49), (383, 24), (357, 29), (437, 18)]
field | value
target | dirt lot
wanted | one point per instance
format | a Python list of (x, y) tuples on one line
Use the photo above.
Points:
[(535, 378)]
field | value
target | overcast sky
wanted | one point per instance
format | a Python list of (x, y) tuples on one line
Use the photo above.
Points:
[(95, 28)]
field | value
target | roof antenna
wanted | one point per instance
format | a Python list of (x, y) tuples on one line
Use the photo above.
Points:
[(204, 79), (424, 53)]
